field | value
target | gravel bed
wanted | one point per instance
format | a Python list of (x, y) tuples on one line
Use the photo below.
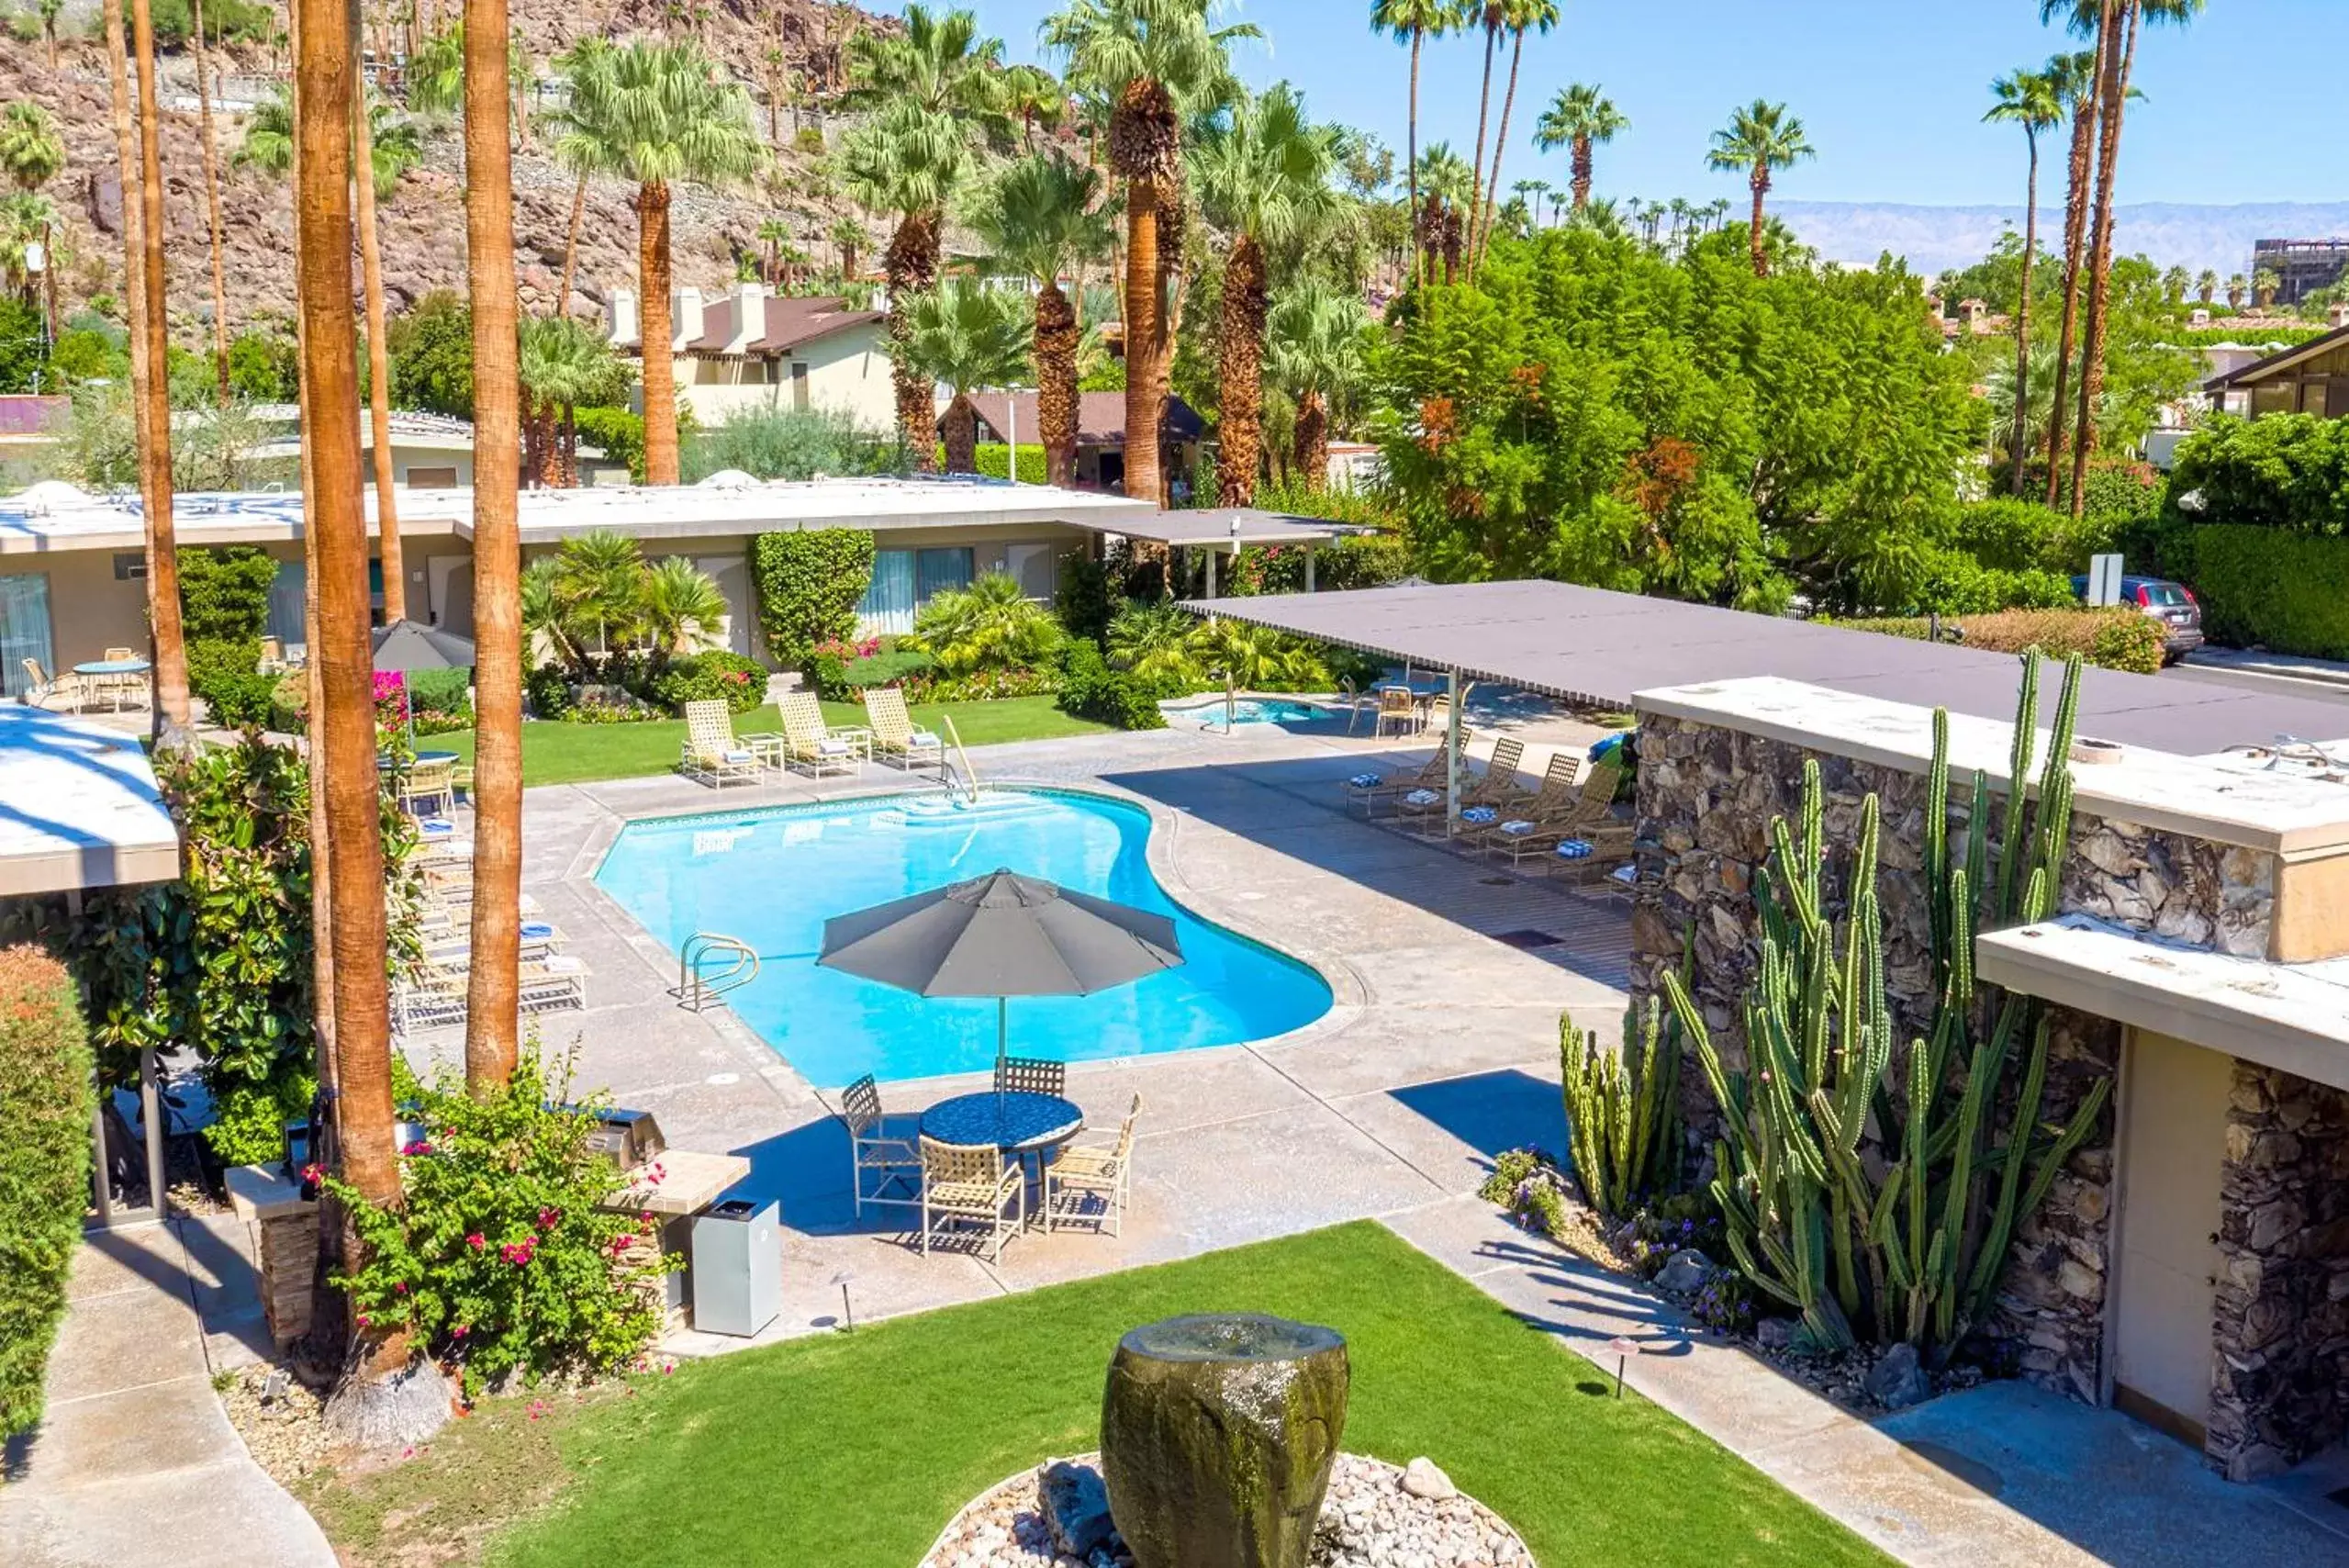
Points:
[(1368, 1520)]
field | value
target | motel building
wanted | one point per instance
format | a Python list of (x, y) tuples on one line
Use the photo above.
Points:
[(72, 565)]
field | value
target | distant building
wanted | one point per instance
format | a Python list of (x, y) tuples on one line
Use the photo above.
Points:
[(2301, 266), (2313, 378), (752, 349), (1101, 432)]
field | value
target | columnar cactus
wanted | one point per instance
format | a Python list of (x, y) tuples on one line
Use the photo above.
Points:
[(1622, 1107), (1872, 1199)]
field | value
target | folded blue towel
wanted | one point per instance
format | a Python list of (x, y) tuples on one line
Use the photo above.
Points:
[(1575, 849), (742, 756), (1481, 814), (1421, 798), (1518, 828), (536, 930), (436, 827), (1367, 780)]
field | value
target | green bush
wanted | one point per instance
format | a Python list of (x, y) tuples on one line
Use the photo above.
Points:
[(1087, 596), (548, 691), (224, 672), (45, 1103), (440, 699), (224, 593), (618, 434), (992, 464), (1371, 560), (2267, 588), (2007, 535), (2113, 639), (990, 625), (839, 671), (2287, 471), (230, 21), (1091, 690), (715, 675), (979, 686), (810, 584), (502, 1256), (791, 444), (1954, 583)]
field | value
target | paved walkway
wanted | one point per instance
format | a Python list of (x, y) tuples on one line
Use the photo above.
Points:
[(135, 1462)]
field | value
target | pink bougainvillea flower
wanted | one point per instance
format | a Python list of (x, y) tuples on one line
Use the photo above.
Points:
[(459, 1332), (476, 1241), (312, 1171), (547, 1218), (363, 1320), (400, 1286)]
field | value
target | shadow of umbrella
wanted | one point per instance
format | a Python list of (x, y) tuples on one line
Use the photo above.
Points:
[(406, 645)]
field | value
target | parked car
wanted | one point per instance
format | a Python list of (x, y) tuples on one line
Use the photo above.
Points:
[(2171, 604)]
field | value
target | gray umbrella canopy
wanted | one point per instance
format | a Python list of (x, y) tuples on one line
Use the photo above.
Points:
[(408, 646), (1001, 934)]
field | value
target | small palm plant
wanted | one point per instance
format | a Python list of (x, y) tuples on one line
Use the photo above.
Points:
[(965, 335), (562, 364), (1257, 659), (1158, 643), (991, 624), (680, 607)]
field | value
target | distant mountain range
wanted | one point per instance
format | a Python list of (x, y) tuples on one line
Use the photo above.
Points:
[(2173, 234)]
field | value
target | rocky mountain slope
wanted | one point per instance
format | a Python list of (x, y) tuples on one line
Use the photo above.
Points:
[(2172, 234), (422, 223)]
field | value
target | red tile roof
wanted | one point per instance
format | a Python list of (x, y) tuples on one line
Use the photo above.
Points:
[(790, 322), (1101, 418)]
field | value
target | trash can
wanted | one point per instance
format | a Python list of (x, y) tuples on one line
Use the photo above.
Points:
[(737, 1272)]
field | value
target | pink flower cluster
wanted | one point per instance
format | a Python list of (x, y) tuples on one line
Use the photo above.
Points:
[(417, 1146), (519, 1253)]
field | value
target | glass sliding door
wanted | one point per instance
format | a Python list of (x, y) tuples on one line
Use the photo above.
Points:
[(288, 604), (888, 604), (24, 630), (934, 571)]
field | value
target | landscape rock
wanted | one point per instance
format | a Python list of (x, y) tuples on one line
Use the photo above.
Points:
[(1898, 1381), (1776, 1333), (1075, 1506), (1422, 1479), (1684, 1272)]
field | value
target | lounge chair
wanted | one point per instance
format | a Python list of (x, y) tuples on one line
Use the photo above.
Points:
[(1485, 795), (428, 786), (1370, 789), (712, 755), (807, 743), (872, 1151), (895, 736), (1590, 841), (1084, 1174), (1525, 826), (69, 693), (965, 1183)]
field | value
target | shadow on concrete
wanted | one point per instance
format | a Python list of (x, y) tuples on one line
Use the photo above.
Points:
[(1289, 805), (1493, 1112), (806, 1169), (1620, 1310)]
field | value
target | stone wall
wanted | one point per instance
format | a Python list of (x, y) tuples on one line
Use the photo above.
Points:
[(2280, 1372)]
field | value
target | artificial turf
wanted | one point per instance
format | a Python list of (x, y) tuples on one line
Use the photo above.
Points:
[(846, 1451)]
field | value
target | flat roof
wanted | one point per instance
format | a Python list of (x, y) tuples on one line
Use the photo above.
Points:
[(1228, 525), (53, 517), (1592, 645), (79, 808)]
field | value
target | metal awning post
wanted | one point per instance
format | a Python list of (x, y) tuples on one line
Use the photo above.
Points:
[(151, 1111), (1452, 746), (1210, 574), (1309, 569)]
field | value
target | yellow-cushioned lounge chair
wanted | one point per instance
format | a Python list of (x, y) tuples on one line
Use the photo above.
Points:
[(895, 736), (712, 755)]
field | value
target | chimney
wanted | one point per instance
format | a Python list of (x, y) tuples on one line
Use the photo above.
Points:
[(750, 317), (685, 318), (2198, 317), (2338, 315), (626, 327)]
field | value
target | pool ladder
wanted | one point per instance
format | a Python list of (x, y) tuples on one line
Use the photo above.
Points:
[(699, 985), (953, 766)]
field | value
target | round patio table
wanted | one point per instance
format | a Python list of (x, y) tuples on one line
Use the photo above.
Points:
[(1018, 1122), (113, 667)]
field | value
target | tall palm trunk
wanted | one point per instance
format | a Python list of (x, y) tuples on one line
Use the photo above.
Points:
[(1582, 170), (1476, 186), (2120, 60), (211, 206), (2076, 223), (911, 263), (1312, 440), (155, 453), (134, 248), (1500, 146), (492, 994), (660, 358), (1056, 340), (1760, 181), (1141, 337), (1171, 300), (571, 244), (1238, 365), (1410, 156), (958, 430), (2018, 449), (380, 1400), (371, 275)]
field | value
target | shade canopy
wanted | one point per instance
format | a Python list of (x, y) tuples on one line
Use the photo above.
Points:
[(408, 646), (1001, 934)]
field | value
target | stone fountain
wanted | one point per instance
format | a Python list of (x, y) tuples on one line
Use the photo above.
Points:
[(1218, 1433)]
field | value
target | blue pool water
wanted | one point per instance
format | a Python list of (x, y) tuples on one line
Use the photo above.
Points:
[(771, 878), (1210, 715)]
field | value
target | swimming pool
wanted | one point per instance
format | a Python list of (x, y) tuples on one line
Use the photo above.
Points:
[(771, 878), (1210, 714)]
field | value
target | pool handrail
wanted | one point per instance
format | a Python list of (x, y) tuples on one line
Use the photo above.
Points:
[(697, 991)]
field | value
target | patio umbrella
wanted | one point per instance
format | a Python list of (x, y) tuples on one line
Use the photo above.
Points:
[(408, 646), (1000, 936)]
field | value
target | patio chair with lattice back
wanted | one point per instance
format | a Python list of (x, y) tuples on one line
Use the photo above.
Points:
[(712, 754), (965, 1183), (896, 737), (1084, 1175), (69, 692), (874, 1151), (1590, 839), (1030, 1075), (807, 742), (1481, 797), (1398, 713)]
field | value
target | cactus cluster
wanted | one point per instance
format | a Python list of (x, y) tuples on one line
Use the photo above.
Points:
[(1859, 1180), (1622, 1108)]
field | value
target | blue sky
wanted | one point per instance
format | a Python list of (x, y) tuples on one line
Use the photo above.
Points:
[(1892, 92)]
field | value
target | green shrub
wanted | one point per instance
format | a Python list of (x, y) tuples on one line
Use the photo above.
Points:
[(2007, 535), (548, 691), (980, 686), (2113, 639), (991, 463), (1091, 690), (791, 444), (1087, 596), (224, 593), (1364, 560), (226, 673), (841, 670), (2129, 642), (2267, 588), (1955, 584), (714, 674), (438, 691), (45, 1103), (2287, 471), (990, 625), (618, 434), (502, 1257), (810, 584)]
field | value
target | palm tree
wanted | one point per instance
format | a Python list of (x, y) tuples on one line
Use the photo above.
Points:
[(965, 335), (155, 449), (2236, 289), (681, 607), (1759, 139), (211, 203), (1042, 220), (1520, 16), (398, 151), (1530, 192), (579, 154), (2206, 287), (49, 11), (493, 986), (932, 87), (774, 233), (848, 237), (2175, 283), (1153, 63), (2263, 286), (562, 363), (1580, 117), (2075, 78), (31, 154), (1446, 185), (1155, 640), (1414, 22), (1314, 352), (2029, 99), (1491, 15), (659, 114), (1264, 174), (436, 76), (1032, 96)]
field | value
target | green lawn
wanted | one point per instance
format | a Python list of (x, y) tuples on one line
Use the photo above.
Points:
[(556, 753), (853, 1450)]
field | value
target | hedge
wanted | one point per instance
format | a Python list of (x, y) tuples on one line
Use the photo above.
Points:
[(2265, 588), (810, 584), (2287, 471), (225, 673), (2114, 639), (224, 593), (46, 1098), (714, 674), (1090, 689), (991, 465)]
